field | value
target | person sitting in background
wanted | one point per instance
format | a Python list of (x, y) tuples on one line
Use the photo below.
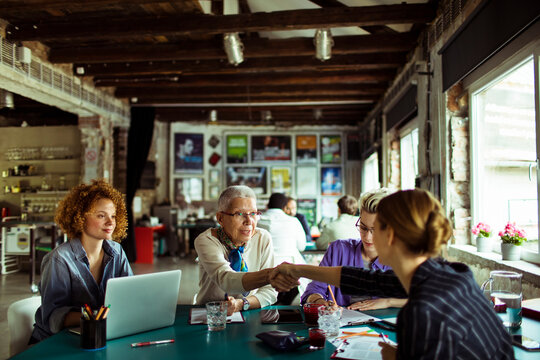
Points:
[(228, 252), (343, 227), (291, 209), (446, 315), (94, 218), (357, 253), (288, 237)]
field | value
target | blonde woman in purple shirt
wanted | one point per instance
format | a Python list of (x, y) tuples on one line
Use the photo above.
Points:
[(357, 253)]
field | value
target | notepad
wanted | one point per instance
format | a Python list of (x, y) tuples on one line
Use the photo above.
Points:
[(358, 347), (355, 317), (198, 316)]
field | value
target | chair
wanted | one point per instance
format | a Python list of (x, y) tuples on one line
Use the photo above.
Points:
[(20, 316)]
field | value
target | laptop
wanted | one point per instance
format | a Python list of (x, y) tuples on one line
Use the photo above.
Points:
[(141, 302)]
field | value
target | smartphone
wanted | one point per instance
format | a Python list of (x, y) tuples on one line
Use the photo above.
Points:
[(526, 343), (281, 316)]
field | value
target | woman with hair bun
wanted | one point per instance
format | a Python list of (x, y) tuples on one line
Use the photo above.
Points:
[(446, 315)]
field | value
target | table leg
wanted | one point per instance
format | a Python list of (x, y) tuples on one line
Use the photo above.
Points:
[(2, 254), (186, 241), (33, 286)]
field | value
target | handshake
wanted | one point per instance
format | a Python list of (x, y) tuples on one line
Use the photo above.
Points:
[(282, 278)]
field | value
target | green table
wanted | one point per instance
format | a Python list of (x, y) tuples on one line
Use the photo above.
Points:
[(237, 341)]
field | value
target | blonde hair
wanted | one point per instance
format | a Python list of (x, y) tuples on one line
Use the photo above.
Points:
[(370, 199), (72, 210), (417, 219)]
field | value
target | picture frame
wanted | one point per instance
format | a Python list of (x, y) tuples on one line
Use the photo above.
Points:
[(306, 149), (280, 179), (237, 149), (331, 149), (188, 153), (213, 176), (270, 148), (252, 176), (331, 181)]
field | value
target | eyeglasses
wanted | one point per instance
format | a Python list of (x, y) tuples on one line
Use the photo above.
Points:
[(254, 215), (363, 228)]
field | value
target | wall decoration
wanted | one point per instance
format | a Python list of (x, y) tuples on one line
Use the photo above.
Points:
[(252, 176), (306, 149), (237, 149), (187, 190), (213, 192), (353, 147), (307, 181), (188, 153), (280, 178), (213, 141), (213, 176), (308, 208), (329, 209), (331, 181), (214, 159), (330, 149), (271, 148)]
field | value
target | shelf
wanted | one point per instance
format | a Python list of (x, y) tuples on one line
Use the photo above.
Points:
[(33, 160)]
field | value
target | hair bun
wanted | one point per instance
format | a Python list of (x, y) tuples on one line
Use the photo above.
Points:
[(438, 231)]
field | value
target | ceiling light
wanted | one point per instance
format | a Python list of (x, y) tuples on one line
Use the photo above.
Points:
[(234, 48), (6, 99), (323, 44), (23, 55), (80, 70), (266, 116), (317, 114), (213, 115), (134, 100)]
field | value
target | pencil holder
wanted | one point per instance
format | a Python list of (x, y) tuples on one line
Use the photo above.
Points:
[(93, 334)]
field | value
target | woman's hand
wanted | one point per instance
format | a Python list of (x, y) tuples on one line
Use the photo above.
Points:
[(281, 281), (233, 305), (388, 352), (370, 304)]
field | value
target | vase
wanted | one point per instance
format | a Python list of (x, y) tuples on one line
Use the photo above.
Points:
[(483, 244), (510, 252)]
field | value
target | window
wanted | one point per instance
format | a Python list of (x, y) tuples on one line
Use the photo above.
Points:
[(409, 158), (370, 173), (504, 151)]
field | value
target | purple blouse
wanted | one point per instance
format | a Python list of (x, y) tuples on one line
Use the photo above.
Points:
[(340, 253)]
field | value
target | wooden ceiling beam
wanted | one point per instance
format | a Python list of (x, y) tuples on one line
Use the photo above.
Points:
[(18, 5), (298, 63), (365, 99), (278, 108), (115, 29), (180, 81), (253, 91), (213, 49)]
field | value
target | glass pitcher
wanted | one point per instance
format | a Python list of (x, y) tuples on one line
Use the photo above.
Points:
[(504, 290)]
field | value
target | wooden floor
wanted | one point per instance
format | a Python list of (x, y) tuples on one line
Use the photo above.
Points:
[(16, 286)]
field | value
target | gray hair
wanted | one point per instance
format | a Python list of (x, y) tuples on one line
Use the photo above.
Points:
[(233, 192), (370, 199)]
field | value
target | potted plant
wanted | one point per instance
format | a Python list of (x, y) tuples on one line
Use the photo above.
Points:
[(512, 237), (483, 233)]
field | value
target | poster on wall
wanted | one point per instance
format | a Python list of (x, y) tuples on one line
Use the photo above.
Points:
[(331, 181), (188, 151), (329, 209), (271, 148), (187, 190), (252, 176), (330, 149), (306, 181), (308, 208), (281, 179), (353, 147), (306, 149), (237, 149)]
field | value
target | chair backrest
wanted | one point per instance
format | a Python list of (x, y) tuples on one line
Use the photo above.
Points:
[(20, 316)]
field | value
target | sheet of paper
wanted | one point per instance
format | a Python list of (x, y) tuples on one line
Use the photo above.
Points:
[(354, 317), (358, 347), (198, 316)]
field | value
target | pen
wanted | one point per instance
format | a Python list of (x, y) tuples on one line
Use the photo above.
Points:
[(332, 294), (106, 312), (384, 338), (146, 343), (100, 312), (382, 326)]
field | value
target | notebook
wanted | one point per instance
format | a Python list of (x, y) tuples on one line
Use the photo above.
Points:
[(135, 306)]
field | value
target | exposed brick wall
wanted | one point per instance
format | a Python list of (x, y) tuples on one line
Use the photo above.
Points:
[(394, 162)]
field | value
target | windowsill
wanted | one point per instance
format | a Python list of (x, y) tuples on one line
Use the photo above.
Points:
[(468, 254)]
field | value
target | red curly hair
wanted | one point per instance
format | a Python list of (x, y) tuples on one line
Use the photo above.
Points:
[(72, 210)]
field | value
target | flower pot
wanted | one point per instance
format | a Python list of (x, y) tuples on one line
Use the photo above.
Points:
[(483, 244), (510, 252)]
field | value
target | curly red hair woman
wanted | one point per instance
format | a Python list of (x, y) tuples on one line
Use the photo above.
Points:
[(94, 218)]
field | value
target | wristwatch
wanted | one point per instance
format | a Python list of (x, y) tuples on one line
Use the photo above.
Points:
[(246, 304)]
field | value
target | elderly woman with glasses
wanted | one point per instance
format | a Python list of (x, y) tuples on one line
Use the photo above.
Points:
[(236, 259), (358, 253)]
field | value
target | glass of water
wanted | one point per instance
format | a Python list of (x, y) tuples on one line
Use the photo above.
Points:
[(216, 315), (329, 320)]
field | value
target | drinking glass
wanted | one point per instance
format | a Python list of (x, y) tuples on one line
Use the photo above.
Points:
[(329, 320), (216, 315), (317, 339), (311, 313), (504, 289)]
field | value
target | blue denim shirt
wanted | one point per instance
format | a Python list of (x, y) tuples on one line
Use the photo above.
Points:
[(67, 283)]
